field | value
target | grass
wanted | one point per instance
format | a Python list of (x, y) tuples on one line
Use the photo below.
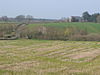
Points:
[(7, 23), (46, 57), (90, 27)]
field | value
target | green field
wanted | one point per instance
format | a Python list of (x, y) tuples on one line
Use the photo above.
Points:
[(43, 57), (90, 27)]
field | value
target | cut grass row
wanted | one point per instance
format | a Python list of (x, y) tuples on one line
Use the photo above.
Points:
[(45, 57)]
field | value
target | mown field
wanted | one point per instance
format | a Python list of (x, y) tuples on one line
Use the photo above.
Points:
[(45, 57), (89, 27)]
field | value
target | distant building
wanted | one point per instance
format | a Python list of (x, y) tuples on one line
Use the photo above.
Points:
[(75, 19)]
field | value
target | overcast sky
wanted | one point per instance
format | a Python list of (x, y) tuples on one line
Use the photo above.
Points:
[(48, 8)]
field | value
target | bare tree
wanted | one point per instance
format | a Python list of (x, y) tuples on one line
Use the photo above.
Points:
[(5, 18), (20, 18)]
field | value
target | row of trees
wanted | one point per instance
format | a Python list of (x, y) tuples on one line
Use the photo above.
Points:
[(19, 18), (91, 17), (24, 19), (86, 17)]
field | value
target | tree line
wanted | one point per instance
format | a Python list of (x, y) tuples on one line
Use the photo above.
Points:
[(86, 17), (19, 18), (95, 17), (24, 19), (91, 17)]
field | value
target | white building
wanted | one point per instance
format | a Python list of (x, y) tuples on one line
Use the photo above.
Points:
[(76, 19)]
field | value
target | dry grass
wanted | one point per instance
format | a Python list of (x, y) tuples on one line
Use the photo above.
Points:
[(42, 57)]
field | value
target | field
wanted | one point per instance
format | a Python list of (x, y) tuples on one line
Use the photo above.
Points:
[(8, 23), (89, 27), (46, 57)]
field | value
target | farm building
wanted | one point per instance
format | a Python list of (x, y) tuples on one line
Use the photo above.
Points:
[(75, 19)]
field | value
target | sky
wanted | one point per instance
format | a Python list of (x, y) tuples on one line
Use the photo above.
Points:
[(48, 9)]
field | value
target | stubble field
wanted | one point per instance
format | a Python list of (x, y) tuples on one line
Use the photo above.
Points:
[(46, 57)]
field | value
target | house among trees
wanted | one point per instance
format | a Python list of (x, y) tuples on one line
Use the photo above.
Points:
[(75, 19)]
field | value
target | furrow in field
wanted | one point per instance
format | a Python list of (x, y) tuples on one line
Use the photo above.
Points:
[(64, 51), (37, 46), (88, 56), (76, 51), (61, 49), (19, 66)]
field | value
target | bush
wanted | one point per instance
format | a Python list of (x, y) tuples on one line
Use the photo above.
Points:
[(93, 37)]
